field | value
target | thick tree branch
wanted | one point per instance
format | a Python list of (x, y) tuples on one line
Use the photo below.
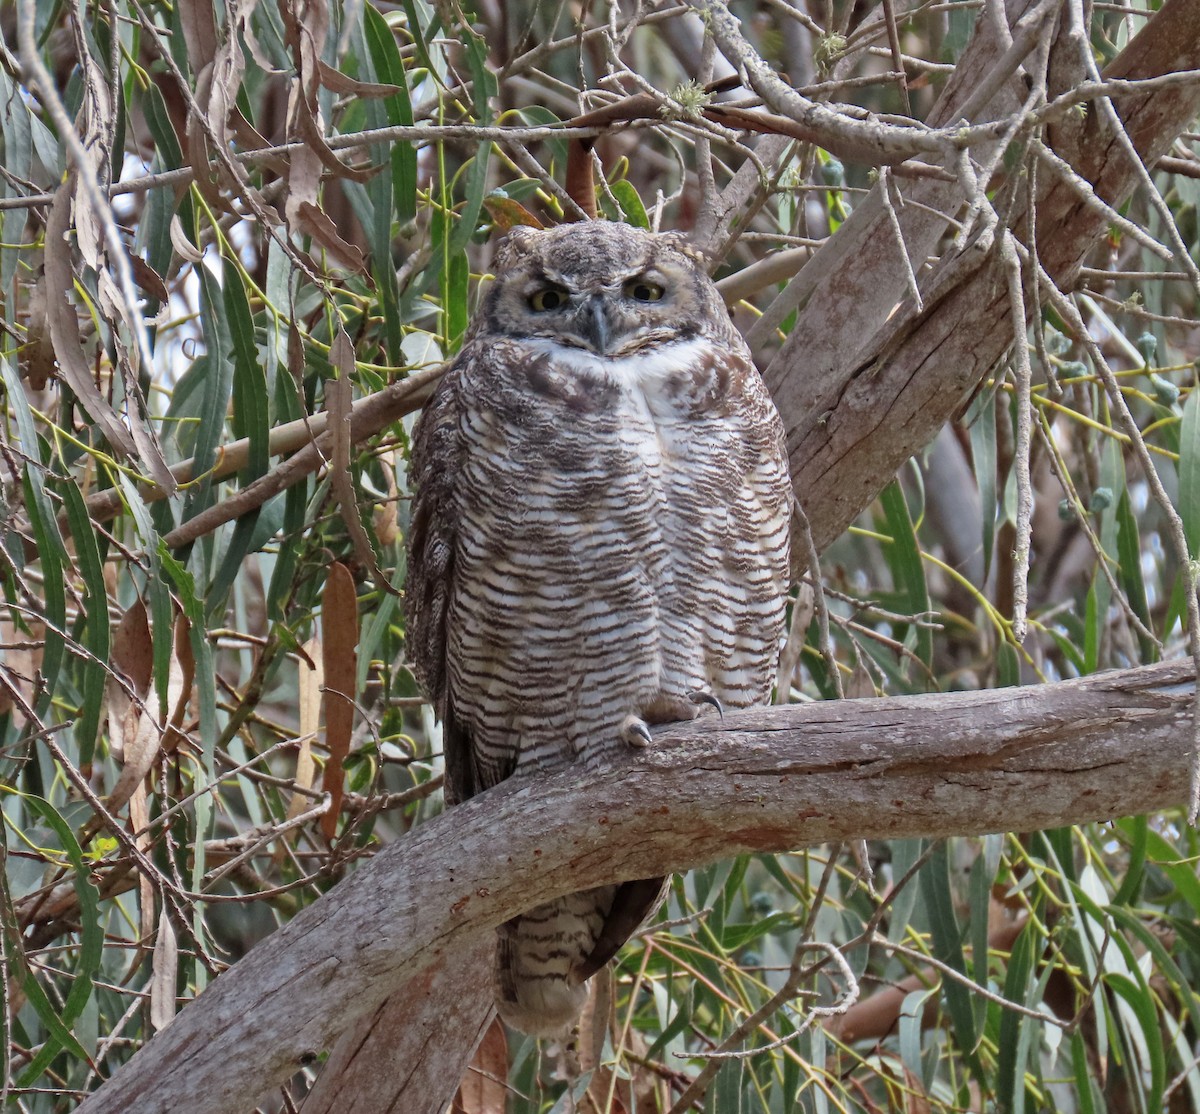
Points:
[(764, 780)]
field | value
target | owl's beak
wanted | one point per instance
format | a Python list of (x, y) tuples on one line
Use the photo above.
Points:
[(594, 325)]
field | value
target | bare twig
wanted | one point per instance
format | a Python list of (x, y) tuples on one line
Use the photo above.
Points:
[(1023, 376), (885, 196)]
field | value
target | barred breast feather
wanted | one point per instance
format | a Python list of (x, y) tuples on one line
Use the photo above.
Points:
[(593, 537)]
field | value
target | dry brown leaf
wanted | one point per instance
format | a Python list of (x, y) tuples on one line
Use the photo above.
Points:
[(508, 214), (133, 728), (339, 632), (200, 37), (133, 648), (199, 32), (860, 684), (264, 63), (228, 66), (303, 186), (916, 1100), (64, 325), (310, 219), (139, 818), (253, 140), (385, 517), (20, 661), (37, 353), (305, 44), (184, 247), (148, 278), (306, 26), (310, 681), (339, 401), (97, 124), (295, 351), (137, 441), (179, 685), (484, 1089), (339, 82), (164, 972), (205, 173), (595, 1020), (313, 133), (636, 1087), (96, 121)]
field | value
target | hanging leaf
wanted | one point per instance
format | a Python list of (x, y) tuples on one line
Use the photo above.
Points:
[(339, 638)]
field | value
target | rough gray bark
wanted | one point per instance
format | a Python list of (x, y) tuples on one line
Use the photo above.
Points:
[(416, 1043), (1112, 744)]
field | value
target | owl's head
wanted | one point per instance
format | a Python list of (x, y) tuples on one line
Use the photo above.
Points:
[(601, 286)]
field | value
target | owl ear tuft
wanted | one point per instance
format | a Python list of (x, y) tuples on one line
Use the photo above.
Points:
[(515, 244), (683, 244)]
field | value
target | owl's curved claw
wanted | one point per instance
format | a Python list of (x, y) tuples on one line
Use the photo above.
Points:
[(702, 696), (635, 733)]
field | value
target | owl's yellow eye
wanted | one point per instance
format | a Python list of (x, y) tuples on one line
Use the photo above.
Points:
[(551, 297), (642, 290)]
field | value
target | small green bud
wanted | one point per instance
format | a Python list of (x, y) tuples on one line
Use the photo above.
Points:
[(1056, 343), (761, 904), (1065, 511), (1147, 345), (833, 173), (1165, 391), (1101, 500)]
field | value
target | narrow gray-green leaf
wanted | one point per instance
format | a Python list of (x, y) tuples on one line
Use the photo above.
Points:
[(947, 947), (95, 633)]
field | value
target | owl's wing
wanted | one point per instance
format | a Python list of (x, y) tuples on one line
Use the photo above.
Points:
[(632, 904), (437, 458)]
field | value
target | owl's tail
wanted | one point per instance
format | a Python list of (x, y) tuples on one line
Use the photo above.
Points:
[(545, 957)]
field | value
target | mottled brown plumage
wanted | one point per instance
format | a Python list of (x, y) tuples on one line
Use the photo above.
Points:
[(599, 538)]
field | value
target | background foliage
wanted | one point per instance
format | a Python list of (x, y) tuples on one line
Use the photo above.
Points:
[(205, 714)]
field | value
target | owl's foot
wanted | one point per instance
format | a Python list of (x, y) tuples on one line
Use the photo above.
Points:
[(703, 696), (635, 733)]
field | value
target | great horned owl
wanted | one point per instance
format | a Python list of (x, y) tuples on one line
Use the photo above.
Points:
[(599, 541)]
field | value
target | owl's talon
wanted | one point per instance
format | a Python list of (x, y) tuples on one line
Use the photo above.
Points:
[(702, 696), (635, 733)]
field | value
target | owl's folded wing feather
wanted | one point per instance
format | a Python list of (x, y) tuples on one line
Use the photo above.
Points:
[(633, 903), (436, 466)]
